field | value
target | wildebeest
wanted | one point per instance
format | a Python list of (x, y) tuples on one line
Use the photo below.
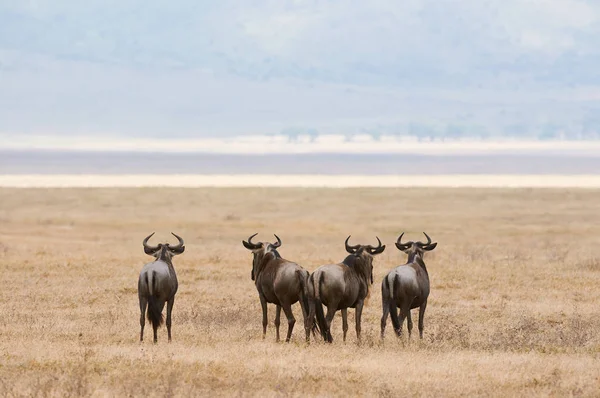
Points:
[(157, 284), (342, 286), (406, 287), (280, 282)]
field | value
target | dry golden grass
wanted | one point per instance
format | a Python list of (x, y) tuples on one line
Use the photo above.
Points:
[(514, 308)]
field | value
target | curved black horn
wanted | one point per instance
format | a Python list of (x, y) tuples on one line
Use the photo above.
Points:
[(180, 245), (429, 245), (376, 250), (251, 246), (428, 238), (250, 240), (147, 248), (421, 244), (145, 242), (378, 244), (276, 245), (400, 245), (350, 249)]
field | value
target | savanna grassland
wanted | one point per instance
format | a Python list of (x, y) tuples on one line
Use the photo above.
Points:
[(514, 308)]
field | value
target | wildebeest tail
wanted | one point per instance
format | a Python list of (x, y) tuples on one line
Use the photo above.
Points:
[(322, 322), (154, 313), (394, 284), (391, 285), (302, 279), (304, 296)]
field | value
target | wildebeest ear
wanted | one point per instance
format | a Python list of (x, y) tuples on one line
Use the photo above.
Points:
[(430, 247), (151, 250), (403, 246), (177, 250), (246, 245), (377, 250)]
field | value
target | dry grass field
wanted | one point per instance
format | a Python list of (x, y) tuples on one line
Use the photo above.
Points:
[(514, 308)]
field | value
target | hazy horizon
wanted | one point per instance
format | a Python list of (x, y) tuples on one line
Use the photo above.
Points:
[(302, 144), (131, 69), (52, 162)]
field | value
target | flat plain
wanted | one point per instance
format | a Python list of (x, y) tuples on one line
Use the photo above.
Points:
[(514, 308)]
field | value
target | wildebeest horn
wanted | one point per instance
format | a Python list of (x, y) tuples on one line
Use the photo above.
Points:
[(350, 249), (428, 245), (149, 249), (376, 250), (249, 245), (276, 245), (180, 245), (421, 244), (400, 245)]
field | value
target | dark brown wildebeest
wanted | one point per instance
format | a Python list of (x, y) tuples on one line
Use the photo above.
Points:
[(158, 284), (342, 286), (406, 287), (280, 282)]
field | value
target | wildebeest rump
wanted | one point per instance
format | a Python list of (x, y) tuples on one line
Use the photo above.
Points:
[(280, 282), (406, 287), (158, 284), (342, 286)]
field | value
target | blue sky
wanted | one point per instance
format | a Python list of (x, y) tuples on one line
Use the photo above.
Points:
[(198, 68)]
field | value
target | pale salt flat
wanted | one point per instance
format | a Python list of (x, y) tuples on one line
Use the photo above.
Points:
[(303, 144), (306, 181)]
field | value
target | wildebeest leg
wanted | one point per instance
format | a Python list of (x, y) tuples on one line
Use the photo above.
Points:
[(358, 316), (331, 310), (404, 310), (345, 322), (393, 308), (277, 321), (143, 305), (409, 323), (311, 318), (422, 318), (169, 310), (386, 311), (287, 309), (263, 304), (395, 320)]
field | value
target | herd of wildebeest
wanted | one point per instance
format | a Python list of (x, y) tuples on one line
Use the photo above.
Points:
[(283, 283)]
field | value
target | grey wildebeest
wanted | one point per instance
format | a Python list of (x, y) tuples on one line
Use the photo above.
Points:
[(407, 287), (157, 284), (342, 286), (280, 282)]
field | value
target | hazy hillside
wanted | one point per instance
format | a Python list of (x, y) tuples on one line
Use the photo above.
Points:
[(427, 68)]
